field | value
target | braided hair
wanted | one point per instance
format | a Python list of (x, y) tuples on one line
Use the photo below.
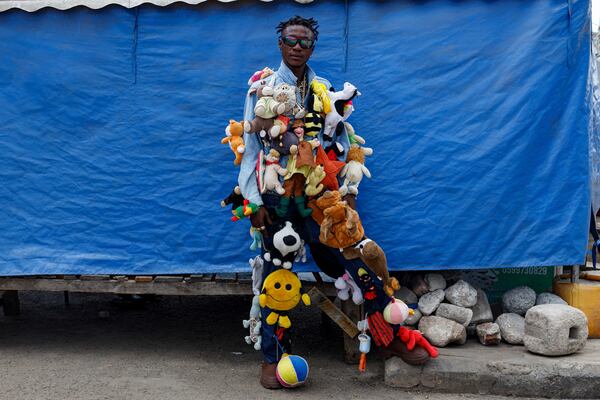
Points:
[(310, 23)]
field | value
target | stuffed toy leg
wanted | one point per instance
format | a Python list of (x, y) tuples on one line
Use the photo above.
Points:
[(414, 338)]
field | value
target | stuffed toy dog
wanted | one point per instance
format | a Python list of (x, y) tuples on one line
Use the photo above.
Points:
[(283, 245), (374, 257)]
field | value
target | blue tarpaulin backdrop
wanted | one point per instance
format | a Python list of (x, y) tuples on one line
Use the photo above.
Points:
[(111, 120)]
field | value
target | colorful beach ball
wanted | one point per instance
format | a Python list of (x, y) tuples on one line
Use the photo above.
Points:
[(396, 312), (291, 371)]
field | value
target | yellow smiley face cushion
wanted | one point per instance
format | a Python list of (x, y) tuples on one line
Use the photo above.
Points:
[(281, 291)]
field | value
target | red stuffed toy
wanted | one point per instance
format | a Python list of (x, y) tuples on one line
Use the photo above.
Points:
[(413, 337)]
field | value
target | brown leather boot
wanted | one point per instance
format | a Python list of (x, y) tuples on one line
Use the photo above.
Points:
[(268, 380), (418, 356)]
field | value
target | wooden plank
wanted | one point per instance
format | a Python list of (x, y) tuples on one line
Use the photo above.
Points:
[(351, 353), (168, 278), (245, 277), (319, 299), (143, 279), (182, 288), (94, 277), (226, 277)]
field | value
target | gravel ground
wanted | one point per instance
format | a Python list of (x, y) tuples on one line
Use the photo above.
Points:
[(168, 348)]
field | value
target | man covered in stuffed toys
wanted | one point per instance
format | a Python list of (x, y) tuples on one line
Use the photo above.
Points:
[(288, 215)]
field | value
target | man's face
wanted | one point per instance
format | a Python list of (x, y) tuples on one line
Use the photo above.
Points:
[(295, 56)]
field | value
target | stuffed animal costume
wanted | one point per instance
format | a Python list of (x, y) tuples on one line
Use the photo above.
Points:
[(353, 170), (263, 123), (272, 172), (374, 257), (234, 138)]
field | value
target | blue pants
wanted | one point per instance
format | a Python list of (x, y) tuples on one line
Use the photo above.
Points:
[(329, 260)]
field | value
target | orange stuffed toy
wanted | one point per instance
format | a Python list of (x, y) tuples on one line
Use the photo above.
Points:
[(340, 224), (234, 138)]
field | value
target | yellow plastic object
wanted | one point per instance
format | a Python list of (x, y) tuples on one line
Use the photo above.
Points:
[(584, 295)]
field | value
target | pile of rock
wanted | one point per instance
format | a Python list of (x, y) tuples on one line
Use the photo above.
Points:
[(446, 315)]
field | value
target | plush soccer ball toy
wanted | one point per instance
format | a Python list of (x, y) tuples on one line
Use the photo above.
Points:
[(396, 312), (291, 371)]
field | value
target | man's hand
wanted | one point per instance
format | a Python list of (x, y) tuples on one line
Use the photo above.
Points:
[(261, 219)]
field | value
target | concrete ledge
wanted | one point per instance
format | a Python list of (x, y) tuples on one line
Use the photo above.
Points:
[(502, 370)]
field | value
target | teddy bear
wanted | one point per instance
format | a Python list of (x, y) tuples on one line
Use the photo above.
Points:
[(275, 101), (234, 138), (346, 285), (253, 324), (283, 245), (341, 226), (261, 124), (341, 108), (272, 172), (313, 181), (327, 199), (374, 257), (353, 170)]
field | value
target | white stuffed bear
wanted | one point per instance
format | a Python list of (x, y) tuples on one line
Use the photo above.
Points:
[(339, 101), (253, 324), (345, 284), (272, 172)]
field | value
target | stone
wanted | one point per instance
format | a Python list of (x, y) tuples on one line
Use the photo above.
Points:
[(549, 298), (401, 375), (489, 333), (418, 285), (413, 319), (555, 330), (435, 282), (406, 295), (512, 327), (518, 300), (482, 312), (441, 331), (455, 313), (462, 294), (429, 302)]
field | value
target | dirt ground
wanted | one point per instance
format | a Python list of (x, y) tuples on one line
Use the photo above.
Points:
[(100, 347)]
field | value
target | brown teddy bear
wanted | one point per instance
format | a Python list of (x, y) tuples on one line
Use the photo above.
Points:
[(340, 224), (374, 257), (234, 138)]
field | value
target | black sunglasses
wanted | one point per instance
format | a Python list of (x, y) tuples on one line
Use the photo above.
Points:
[(291, 41)]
